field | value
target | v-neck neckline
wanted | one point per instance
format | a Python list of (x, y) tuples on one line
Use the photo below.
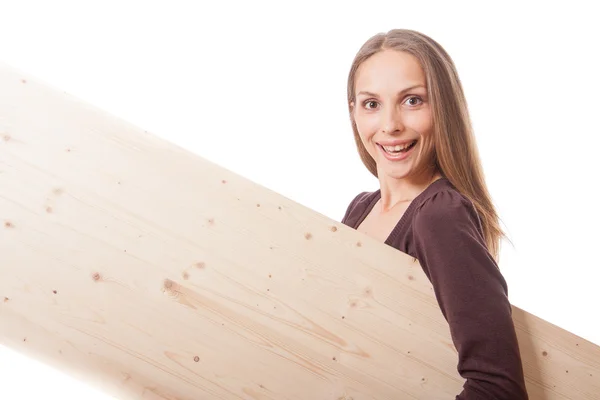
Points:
[(402, 221)]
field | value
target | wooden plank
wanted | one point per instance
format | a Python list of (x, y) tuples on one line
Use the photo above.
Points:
[(151, 273)]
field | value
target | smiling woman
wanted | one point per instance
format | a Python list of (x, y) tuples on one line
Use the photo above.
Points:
[(412, 130)]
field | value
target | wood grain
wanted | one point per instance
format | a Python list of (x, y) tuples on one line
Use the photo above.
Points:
[(152, 273)]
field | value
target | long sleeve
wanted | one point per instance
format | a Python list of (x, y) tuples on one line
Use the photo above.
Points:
[(472, 295)]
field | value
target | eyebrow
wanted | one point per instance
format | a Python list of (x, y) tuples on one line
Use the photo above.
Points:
[(400, 92)]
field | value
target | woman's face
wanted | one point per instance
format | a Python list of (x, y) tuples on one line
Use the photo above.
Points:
[(392, 111)]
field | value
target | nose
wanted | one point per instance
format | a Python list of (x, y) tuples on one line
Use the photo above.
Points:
[(391, 121)]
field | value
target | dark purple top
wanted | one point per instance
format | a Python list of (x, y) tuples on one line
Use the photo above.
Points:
[(442, 230)]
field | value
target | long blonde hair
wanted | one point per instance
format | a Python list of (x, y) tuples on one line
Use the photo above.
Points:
[(452, 145)]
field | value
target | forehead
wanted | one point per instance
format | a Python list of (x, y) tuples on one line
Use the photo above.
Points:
[(389, 70)]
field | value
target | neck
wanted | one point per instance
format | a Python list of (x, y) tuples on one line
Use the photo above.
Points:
[(401, 191)]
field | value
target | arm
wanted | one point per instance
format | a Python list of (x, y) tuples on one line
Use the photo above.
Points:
[(472, 295)]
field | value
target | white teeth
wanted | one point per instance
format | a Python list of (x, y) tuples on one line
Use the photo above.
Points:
[(397, 147), (393, 148)]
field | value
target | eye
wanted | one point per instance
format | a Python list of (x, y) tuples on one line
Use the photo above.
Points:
[(368, 103), (417, 98)]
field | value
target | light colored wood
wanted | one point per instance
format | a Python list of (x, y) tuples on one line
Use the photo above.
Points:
[(152, 273)]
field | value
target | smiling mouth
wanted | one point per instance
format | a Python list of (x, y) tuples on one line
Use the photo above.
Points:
[(398, 149)]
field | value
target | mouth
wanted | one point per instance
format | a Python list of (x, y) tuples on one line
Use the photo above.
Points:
[(398, 149)]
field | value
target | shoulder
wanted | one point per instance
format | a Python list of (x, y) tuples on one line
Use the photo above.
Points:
[(444, 208), (448, 237), (358, 204)]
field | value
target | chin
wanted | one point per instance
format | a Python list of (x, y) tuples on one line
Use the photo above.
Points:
[(396, 173)]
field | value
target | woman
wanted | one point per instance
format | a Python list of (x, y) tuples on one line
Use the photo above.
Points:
[(412, 131)]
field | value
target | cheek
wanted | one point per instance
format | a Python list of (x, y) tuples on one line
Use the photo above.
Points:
[(367, 126), (421, 122)]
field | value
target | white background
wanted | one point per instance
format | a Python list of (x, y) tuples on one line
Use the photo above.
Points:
[(260, 89)]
